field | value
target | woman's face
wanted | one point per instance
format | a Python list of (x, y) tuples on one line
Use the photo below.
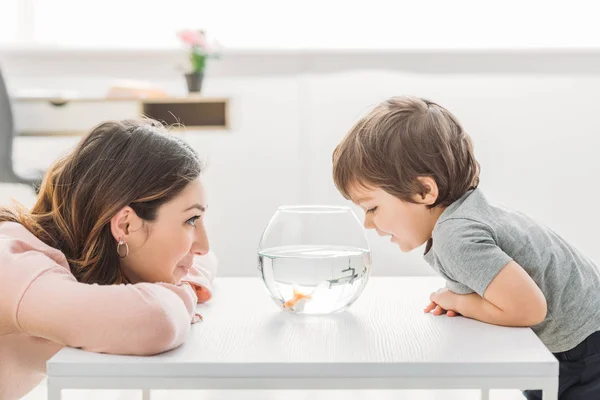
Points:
[(163, 250)]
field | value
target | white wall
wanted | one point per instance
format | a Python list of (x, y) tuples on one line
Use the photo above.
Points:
[(381, 24), (532, 117)]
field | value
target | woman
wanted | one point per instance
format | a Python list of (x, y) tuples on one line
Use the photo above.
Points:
[(112, 258)]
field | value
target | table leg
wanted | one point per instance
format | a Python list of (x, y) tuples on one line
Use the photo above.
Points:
[(550, 390), (145, 394), (54, 390), (485, 394)]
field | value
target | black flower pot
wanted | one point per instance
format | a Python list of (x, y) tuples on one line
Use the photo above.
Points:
[(194, 81)]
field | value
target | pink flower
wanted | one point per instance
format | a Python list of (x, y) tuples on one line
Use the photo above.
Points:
[(193, 37)]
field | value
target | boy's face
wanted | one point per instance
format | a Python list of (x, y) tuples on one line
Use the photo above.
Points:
[(409, 225)]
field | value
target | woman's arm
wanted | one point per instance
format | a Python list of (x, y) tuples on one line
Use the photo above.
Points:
[(140, 319)]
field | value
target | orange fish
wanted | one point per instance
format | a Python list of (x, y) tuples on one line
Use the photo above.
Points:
[(293, 302)]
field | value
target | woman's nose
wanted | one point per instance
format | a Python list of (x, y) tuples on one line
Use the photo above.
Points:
[(201, 245)]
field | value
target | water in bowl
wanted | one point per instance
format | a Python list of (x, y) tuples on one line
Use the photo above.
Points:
[(315, 279)]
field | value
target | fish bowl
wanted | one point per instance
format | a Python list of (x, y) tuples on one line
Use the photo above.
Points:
[(314, 259)]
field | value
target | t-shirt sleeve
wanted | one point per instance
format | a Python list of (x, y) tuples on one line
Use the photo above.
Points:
[(468, 253)]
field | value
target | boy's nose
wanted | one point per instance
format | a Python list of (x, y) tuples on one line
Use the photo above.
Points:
[(369, 222)]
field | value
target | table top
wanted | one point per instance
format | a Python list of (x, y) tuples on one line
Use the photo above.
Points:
[(385, 333)]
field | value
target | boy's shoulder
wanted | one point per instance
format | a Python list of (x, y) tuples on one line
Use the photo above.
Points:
[(471, 210), (473, 218), (468, 205)]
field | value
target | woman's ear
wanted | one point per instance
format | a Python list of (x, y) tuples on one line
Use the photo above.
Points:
[(430, 191), (122, 222)]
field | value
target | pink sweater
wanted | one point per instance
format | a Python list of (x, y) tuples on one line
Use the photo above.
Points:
[(43, 308)]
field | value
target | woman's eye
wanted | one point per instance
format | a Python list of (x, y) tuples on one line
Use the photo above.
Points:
[(370, 210), (192, 221)]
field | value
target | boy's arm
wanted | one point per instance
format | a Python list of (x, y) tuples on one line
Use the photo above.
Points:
[(470, 254), (511, 299)]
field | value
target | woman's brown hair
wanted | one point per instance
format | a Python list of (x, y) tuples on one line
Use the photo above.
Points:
[(135, 163)]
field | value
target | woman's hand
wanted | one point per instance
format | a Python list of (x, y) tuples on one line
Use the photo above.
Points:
[(203, 294)]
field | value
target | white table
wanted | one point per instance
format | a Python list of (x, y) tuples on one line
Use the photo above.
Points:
[(384, 341)]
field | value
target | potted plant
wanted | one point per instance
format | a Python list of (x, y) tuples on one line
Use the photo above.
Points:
[(199, 52)]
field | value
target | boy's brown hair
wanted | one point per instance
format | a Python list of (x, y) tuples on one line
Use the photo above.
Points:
[(401, 139)]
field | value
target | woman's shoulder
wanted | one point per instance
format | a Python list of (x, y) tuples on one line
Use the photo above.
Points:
[(18, 239), (17, 242)]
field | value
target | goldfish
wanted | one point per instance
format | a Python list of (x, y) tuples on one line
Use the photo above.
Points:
[(296, 303)]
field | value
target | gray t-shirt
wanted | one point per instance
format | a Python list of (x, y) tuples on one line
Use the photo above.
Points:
[(473, 240)]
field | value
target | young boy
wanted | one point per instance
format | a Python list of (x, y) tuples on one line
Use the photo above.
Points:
[(410, 165)]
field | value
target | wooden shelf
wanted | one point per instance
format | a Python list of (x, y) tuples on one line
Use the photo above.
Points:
[(54, 116), (192, 113)]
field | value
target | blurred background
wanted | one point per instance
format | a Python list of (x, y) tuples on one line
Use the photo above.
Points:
[(282, 83)]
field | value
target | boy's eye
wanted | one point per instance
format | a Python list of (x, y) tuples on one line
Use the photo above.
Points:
[(370, 210), (192, 221)]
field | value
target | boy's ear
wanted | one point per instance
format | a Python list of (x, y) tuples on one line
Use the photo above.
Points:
[(430, 191)]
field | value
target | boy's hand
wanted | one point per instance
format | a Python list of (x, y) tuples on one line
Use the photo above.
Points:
[(437, 310), (442, 301)]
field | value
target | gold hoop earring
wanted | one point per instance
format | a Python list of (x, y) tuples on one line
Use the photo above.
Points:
[(121, 242)]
